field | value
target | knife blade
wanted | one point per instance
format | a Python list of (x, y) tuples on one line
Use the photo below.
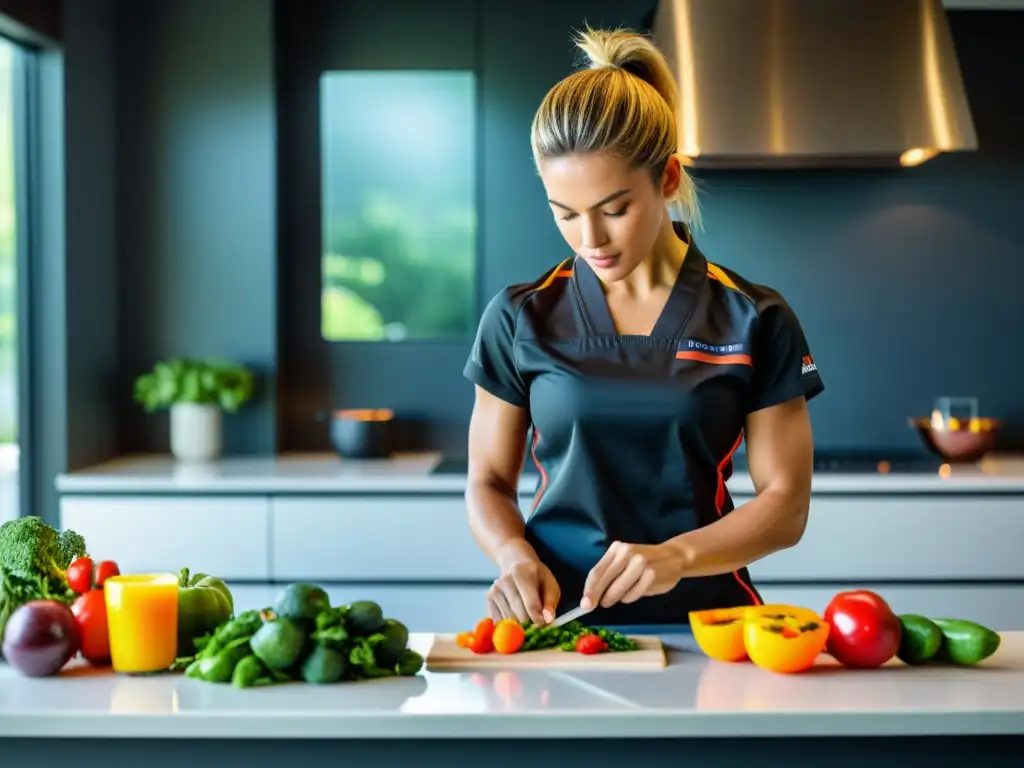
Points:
[(568, 616)]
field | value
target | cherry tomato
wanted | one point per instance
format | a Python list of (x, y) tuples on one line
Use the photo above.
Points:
[(463, 639), (481, 644), (864, 632), (80, 575), (508, 636), (90, 611), (104, 570), (590, 644), (484, 628)]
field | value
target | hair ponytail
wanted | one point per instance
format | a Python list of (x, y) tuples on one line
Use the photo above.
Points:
[(623, 102)]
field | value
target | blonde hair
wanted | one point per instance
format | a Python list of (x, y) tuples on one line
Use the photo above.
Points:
[(624, 102)]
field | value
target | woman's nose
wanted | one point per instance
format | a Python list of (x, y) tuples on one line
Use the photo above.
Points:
[(593, 234)]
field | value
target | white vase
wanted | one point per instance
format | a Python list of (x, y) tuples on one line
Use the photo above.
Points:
[(195, 431)]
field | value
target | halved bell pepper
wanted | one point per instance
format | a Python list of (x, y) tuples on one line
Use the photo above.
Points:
[(780, 611), (719, 632), (784, 643)]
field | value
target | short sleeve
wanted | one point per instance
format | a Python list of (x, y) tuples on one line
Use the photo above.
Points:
[(783, 365), (491, 363)]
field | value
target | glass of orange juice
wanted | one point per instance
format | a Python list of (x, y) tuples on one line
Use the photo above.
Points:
[(142, 619)]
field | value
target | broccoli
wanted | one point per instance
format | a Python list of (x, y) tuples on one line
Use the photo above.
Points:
[(72, 547), (33, 563), (30, 549)]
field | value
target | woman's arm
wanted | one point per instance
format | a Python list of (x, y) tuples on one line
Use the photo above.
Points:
[(497, 447), (526, 588), (780, 455)]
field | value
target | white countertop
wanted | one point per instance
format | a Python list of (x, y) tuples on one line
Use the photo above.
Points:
[(327, 473), (692, 697)]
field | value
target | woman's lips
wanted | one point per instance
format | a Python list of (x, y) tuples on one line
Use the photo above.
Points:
[(603, 260)]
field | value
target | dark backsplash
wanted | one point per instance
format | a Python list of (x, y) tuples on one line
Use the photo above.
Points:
[(905, 281)]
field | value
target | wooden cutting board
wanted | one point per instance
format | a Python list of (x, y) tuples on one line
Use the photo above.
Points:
[(445, 655)]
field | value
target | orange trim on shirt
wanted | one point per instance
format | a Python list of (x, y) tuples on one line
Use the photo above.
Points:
[(705, 357), (720, 502), (715, 272), (556, 273), (543, 474)]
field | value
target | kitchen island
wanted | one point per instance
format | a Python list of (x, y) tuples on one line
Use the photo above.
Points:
[(694, 707)]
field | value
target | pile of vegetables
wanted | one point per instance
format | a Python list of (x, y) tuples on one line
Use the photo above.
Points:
[(512, 636), (302, 637), (858, 629), (39, 631), (33, 564)]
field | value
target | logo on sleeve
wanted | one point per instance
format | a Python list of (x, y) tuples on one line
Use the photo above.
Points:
[(807, 366), (716, 354)]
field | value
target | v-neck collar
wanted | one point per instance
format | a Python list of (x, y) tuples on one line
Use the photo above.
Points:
[(678, 308)]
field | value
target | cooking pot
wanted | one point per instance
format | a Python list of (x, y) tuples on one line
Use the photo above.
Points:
[(362, 433), (963, 438)]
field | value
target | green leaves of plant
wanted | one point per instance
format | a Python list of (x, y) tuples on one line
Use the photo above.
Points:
[(190, 380)]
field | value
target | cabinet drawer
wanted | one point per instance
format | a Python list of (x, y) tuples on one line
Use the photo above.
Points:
[(873, 537), (375, 538), (222, 537)]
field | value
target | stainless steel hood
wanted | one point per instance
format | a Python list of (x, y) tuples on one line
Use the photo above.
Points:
[(814, 83)]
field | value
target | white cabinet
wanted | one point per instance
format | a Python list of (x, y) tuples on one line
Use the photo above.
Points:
[(888, 538), (225, 537), (374, 538)]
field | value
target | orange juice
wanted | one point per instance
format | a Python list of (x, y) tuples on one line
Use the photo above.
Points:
[(142, 619)]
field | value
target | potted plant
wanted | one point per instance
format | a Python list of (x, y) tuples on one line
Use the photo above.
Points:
[(196, 392)]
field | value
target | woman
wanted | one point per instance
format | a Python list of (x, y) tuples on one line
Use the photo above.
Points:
[(640, 367)]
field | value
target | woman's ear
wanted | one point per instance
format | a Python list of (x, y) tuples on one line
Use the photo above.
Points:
[(671, 177)]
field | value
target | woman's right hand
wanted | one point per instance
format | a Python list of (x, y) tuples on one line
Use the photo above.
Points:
[(525, 590)]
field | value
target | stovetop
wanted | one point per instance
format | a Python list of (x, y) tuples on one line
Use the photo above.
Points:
[(867, 461), (826, 461)]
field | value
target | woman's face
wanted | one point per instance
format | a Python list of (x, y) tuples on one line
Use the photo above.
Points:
[(609, 214)]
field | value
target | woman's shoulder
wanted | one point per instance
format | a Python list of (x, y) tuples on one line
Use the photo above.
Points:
[(759, 296), (539, 294)]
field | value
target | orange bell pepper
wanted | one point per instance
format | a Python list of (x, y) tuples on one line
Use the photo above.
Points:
[(719, 632), (784, 643)]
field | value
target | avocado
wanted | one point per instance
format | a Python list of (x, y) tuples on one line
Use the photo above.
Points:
[(409, 663), (324, 665), (364, 617), (278, 643), (395, 638), (301, 602)]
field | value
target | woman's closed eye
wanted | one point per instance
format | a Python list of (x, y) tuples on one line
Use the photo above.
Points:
[(613, 214)]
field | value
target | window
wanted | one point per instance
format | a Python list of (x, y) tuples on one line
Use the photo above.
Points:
[(9, 491), (398, 161)]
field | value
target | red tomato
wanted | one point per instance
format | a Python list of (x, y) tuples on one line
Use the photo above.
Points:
[(481, 644), (80, 575), (864, 632), (90, 612), (104, 570), (590, 644)]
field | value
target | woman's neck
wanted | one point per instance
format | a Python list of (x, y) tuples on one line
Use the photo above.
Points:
[(660, 269)]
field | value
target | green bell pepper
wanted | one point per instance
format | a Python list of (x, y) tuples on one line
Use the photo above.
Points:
[(204, 603)]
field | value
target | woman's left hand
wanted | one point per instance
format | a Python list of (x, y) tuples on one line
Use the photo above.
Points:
[(628, 572)]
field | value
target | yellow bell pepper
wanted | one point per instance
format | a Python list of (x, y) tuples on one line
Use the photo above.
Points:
[(719, 632), (784, 643)]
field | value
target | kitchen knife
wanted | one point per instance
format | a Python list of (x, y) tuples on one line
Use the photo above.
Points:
[(565, 618)]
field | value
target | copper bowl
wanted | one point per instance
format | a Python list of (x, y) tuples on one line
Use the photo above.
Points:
[(958, 440)]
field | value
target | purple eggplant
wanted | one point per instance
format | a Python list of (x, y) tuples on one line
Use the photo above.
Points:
[(41, 636)]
